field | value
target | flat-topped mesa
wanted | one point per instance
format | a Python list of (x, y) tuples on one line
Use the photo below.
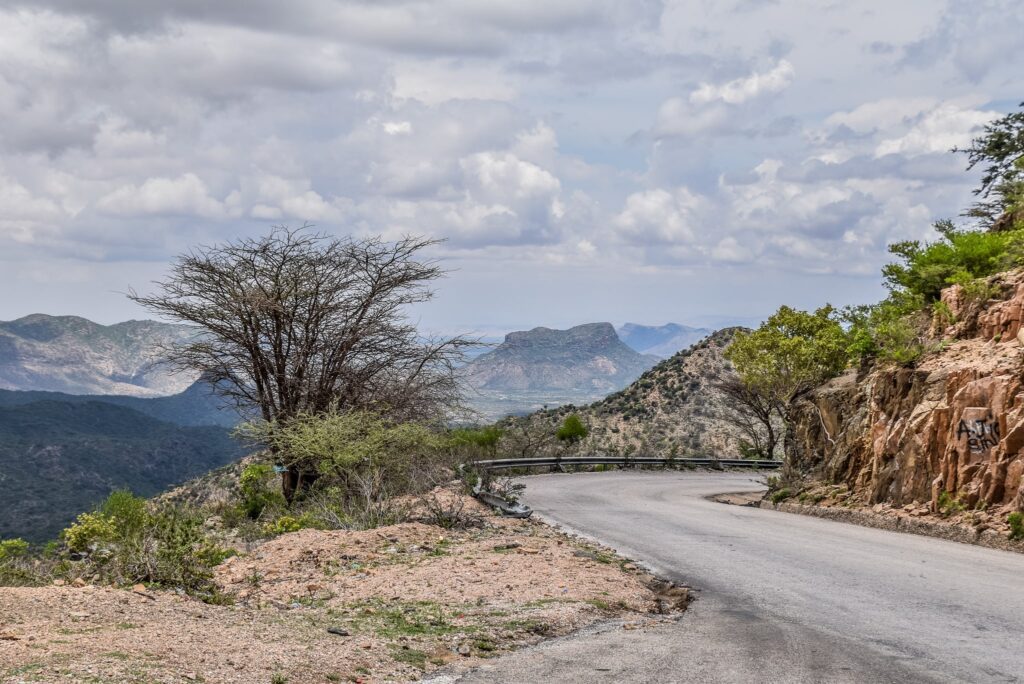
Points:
[(590, 357), (950, 429)]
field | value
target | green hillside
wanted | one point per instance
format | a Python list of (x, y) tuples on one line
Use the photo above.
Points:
[(59, 458)]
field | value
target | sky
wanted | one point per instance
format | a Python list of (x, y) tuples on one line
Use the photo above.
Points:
[(697, 161)]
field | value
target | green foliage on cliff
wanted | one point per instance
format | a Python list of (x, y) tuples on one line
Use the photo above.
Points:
[(958, 257)]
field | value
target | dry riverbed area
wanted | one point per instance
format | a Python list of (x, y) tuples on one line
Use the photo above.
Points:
[(382, 605)]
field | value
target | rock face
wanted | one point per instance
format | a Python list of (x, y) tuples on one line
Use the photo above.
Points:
[(950, 429), (587, 357), (75, 355)]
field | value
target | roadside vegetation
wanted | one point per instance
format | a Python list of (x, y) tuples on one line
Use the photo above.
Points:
[(348, 404), (794, 351)]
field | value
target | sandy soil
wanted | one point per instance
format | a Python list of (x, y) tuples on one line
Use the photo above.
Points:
[(381, 605)]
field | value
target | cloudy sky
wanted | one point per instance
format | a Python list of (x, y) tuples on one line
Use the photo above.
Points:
[(692, 160)]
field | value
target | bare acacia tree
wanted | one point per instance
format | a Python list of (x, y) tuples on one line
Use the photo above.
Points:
[(756, 414), (297, 323)]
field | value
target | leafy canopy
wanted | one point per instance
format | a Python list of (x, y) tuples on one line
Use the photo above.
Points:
[(793, 350), (340, 443), (1000, 150)]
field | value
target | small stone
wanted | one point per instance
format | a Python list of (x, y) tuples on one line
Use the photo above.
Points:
[(80, 615), (58, 583), (507, 547), (338, 631)]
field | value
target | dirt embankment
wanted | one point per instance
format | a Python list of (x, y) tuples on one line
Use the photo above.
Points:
[(388, 604)]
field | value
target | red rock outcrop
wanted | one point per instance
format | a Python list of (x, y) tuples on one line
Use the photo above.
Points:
[(953, 424)]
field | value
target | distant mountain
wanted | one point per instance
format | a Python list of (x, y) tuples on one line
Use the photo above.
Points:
[(76, 356), (673, 408), (59, 457), (662, 340), (588, 357)]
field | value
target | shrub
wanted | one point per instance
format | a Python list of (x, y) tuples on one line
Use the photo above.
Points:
[(1016, 521), (286, 524), (948, 504), (572, 430), (338, 446), (257, 492), (89, 531), (958, 256), (128, 541), (16, 566)]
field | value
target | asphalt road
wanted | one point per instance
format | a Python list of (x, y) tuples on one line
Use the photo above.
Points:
[(781, 597)]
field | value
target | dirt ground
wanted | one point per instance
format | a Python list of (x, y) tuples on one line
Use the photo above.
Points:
[(382, 605)]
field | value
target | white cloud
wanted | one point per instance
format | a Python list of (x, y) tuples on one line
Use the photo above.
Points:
[(741, 90), (185, 195), (659, 216), (939, 130), (397, 127), (439, 81)]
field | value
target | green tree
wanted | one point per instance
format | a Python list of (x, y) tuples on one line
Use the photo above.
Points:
[(790, 352), (1000, 150)]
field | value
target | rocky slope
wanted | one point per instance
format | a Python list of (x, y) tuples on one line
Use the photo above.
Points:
[(588, 357), (675, 408), (75, 355), (946, 436), (663, 340)]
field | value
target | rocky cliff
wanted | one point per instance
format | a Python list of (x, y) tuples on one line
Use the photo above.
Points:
[(945, 435)]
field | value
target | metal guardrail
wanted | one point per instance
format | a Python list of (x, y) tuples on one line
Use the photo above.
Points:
[(510, 463)]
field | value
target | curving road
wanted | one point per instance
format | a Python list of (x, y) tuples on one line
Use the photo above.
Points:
[(781, 597)]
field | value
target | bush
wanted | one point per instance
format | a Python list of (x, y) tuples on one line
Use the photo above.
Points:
[(892, 330), (959, 256), (16, 566), (257, 491), (339, 446), (90, 531), (572, 430), (129, 541), (1016, 521)]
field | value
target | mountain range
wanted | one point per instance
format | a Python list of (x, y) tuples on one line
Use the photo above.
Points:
[(74, 355), (661, 340)]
